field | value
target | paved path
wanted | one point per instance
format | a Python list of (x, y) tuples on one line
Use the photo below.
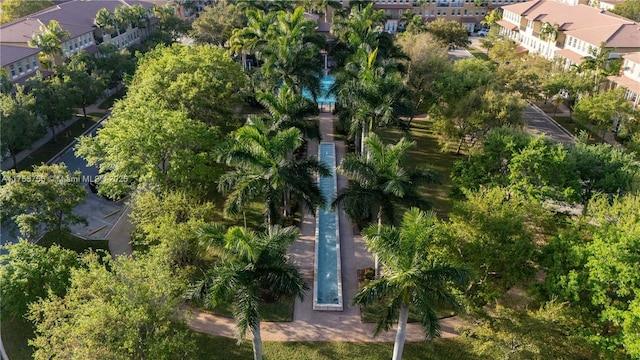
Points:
[(538, 122), (307, 324)]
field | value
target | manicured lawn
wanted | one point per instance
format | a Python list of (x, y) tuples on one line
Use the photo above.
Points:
[(428, 153), (68, 241), (15, 334), (477, 53), (575, 127), (210, 347), (50, 149), (277, 311)]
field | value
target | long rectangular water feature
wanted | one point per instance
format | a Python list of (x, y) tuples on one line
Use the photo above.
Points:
[(327, 281)]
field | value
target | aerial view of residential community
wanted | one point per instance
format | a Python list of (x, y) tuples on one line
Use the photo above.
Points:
[(320, 179)]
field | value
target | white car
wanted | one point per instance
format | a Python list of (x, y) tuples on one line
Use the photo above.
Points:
[(483, 32)]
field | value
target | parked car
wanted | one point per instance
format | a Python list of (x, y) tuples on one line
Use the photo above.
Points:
[(483, 32)]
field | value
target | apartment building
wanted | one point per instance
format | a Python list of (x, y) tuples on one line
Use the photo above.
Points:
[(78, 17), (570, 32), (468, 12), (629, 78), (19, 62)]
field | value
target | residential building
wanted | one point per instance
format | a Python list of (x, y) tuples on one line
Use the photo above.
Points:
[(77, 17), (629, 78), (19, 62), (576, 31), (468, 12)]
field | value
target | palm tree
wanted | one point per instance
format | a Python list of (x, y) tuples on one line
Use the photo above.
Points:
[(289, 109), (253, 37), (105, 21), (411, 277), (381, 183), (49, 40), (373, 94), (252, 267), (549, 32), (262, 168), (292, 53)]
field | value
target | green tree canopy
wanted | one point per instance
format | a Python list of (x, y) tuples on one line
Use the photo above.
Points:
[(42, 199), (20, 126), (84, 84), (115, 309), (31, 272), (450, 33), (216, 23), (53, 101), (629, 9), (200, 80), (14, 9), (603, 108)]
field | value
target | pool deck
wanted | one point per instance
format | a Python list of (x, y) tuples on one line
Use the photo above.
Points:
[(310, 325)]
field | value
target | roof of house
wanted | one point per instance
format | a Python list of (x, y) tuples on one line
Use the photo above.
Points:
[(626, 82), (75, 16), (583, 22), (633, 56), (10, 54)]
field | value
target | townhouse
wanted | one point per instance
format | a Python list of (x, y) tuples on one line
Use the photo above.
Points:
[(629, 78), (568, 31), (20, 63), (78, 18)]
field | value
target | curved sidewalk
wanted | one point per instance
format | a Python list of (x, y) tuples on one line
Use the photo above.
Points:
[(307, 324)]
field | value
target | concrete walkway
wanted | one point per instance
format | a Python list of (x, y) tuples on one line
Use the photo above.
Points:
[(307, 324)]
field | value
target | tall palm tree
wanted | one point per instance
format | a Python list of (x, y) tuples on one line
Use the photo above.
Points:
[(373, 94), (364, 25), (105, 21), (292, 53), (289, 109), (411, 277), (49, 40), (381, 183), (262, 168), (253, 37), (252, 266)]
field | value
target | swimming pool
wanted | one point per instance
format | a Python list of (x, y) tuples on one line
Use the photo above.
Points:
[(327, 281), (324, 98)]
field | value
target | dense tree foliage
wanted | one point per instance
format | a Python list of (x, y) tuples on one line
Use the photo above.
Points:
[(31, 272), (53, 103), (216, 23), (14, 9), (629, 9), (449, 32), (171, 221), (20, 126), (115, 309), (42, 199), (84, 84), (593, 265), (603, 109)]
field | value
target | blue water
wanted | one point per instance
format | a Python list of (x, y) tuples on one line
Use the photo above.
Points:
[(327, 250), (324, 98)]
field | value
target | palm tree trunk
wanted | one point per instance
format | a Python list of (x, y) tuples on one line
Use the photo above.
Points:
[(398, 346), (257, 343), (375, 256)]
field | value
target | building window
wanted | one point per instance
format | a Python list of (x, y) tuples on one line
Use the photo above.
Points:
[(12, 69), (20, 70), (27, 65), (34, 62)]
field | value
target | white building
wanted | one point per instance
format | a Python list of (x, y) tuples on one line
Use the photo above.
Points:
[(579, 30)]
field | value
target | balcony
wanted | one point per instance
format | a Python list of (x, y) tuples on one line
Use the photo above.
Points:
[(457, 4), (442, 4)]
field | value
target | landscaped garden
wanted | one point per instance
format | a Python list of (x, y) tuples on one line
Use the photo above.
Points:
[(455, 203)]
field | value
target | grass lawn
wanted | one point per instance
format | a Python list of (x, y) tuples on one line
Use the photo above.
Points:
[(575, 127), (277, 311), (68, 241), (428, 153), (477, 53), (50, 149), (210, 347)]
